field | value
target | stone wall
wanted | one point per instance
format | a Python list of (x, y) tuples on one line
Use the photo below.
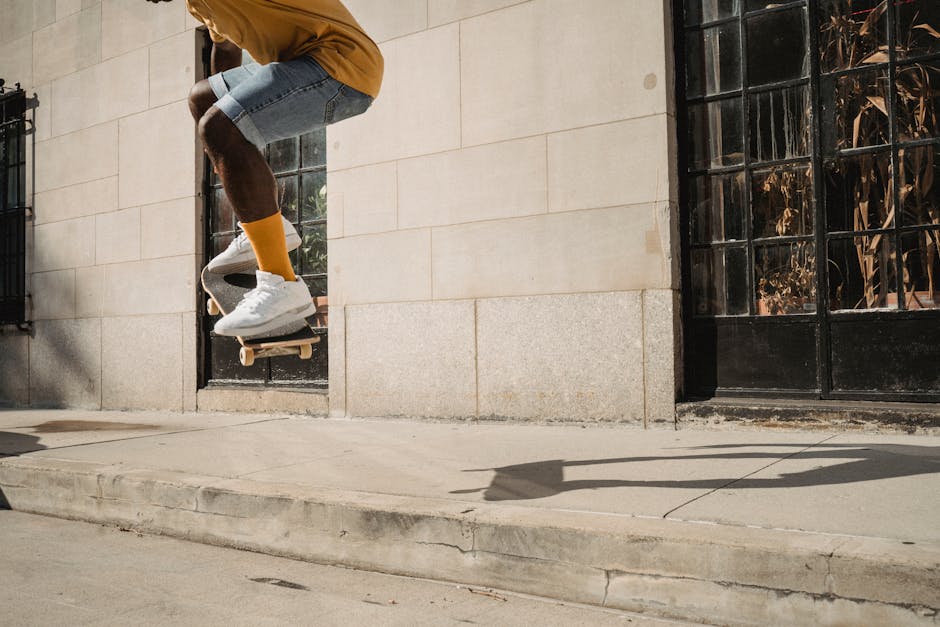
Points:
[(116, 242), (502, 222)]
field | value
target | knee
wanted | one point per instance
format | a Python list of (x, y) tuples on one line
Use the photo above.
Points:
[(201, 98), (217, 131)]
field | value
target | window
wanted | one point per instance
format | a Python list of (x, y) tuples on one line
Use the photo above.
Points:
[(812, 195), (299, 166), (14, 209)]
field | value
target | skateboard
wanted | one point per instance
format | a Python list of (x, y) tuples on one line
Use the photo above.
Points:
[(226, 290)]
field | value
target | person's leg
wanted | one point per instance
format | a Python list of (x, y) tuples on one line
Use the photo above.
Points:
[(250, 186), (201, 97), (258, 105)]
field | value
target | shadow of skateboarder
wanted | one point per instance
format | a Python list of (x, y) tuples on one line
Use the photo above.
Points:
[(852, 463)]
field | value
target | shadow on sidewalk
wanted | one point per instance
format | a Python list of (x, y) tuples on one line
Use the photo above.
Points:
[(855, 463), (12, 445)]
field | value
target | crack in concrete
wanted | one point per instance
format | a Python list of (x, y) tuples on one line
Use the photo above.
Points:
[(750, 474), (920, 610)]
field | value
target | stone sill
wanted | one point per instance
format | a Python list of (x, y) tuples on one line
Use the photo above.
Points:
[(311, 402), (810, 415)]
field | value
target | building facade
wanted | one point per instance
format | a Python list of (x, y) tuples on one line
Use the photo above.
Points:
[(535, 220)]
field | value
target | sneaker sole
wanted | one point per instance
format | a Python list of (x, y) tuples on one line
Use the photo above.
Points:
[(293, 320)]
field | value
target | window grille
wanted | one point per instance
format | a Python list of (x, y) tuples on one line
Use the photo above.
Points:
[(811, 203), (14, 207), (299, 166)]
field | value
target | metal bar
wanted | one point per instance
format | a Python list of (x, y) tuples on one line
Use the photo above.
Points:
[(849, 234), (760, 89), (746, 149), (727, 20), (724, 169), (893, 104), (862, 150), (922, 58), (919, 143)]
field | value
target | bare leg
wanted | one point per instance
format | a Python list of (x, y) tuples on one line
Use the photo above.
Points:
[(246, 177)]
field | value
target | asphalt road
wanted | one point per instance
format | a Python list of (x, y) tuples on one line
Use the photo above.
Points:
[(57, 572)]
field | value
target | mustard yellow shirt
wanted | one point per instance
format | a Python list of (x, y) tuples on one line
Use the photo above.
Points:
[(281, 30)]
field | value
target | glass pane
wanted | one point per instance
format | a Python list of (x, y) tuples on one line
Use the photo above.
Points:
[(851, 32), (223, 216), (287, 197), (920, 187), (921, 269), (313, 190), (317, 286), (776, 47), (859, 193), (313, 148), (918, 100), (220, 243), (785, 278), (714, 60), (21, 199), (918, 30), (782, 201), (854, 110), (698, 11), (736, 268), (15, 146), (715, 134), (284, 155), (757, 5), (313, 250), (862, 273), (780, 124), (719, 281), (718, 208)]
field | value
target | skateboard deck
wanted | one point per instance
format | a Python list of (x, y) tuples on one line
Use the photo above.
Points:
[(224, 293)]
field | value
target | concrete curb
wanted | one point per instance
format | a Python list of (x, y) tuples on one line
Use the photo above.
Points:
[(694, 571)]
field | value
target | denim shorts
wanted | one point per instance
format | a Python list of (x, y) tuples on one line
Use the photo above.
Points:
[(284, 99)]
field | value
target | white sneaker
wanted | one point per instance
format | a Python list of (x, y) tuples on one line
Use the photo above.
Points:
[(274, 305), (239, 256)]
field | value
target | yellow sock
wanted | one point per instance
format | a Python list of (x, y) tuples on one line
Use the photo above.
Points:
[(270, 246)]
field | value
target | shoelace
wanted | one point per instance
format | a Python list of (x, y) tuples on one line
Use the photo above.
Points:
[(258, 297), (239, 242)]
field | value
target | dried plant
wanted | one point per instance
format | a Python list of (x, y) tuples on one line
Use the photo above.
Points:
[(862, 119), (788, 288)]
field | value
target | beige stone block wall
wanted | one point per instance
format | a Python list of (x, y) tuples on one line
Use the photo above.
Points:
[(117, 230), (502, 230), (503, 233)]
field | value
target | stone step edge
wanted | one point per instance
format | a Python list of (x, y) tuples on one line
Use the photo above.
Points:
[(846, 416), (695, 571)]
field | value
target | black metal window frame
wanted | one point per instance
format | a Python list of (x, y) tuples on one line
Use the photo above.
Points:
[(819, 159), (299, 166), (15, 206)]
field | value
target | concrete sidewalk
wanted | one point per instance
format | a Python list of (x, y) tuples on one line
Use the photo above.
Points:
[(726, 527)]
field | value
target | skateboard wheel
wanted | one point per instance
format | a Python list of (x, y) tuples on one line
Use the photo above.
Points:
[(212, 307), (246, 356), (306, 351)]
